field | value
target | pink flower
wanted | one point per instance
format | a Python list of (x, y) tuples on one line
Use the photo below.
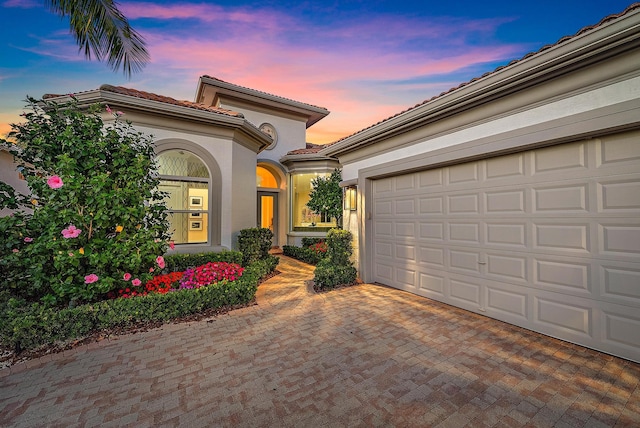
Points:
[(172, 245), (108, 109), (55, 182), (70, 254), (127, 276), (119, 113), (15, 250), (136, 282), (27, 239), (160, 261), (151, 269), (90, 279), (71, 232)]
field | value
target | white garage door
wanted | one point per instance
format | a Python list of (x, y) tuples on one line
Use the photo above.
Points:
[(547, 239)]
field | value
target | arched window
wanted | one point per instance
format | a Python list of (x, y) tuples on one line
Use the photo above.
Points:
[(264, 178), (186, 179)]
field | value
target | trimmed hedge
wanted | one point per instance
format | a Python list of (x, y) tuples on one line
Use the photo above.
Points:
[(27, 326), (336, 269), (254, 244), (304, 254)]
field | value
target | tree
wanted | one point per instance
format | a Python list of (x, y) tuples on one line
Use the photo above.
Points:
[(326, 196), (94, 219), (101, 30)]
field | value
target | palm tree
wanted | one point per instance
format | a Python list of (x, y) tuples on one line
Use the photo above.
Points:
[(101, 30)]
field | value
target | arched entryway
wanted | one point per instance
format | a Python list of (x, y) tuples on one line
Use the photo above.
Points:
[(268, 183)]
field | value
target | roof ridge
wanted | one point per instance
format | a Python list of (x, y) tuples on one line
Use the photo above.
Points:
[(132, 92), (262, 92), (560, 41)]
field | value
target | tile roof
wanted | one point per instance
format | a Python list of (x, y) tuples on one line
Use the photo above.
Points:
[(159, 98), (310, 149), (262, 92), (609, 18)]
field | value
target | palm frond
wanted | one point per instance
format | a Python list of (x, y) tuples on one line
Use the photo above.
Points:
[(102, 31)]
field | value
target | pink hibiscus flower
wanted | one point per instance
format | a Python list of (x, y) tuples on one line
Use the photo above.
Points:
[(55, 182), (71, 232), (90, 279), (160, 261)]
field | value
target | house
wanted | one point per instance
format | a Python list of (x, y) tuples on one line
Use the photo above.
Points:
[(515, 195)]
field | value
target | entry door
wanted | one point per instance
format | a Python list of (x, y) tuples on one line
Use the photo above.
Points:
[(268, 213)]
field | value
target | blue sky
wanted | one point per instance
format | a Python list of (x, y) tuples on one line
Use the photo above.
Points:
[(362, 60)]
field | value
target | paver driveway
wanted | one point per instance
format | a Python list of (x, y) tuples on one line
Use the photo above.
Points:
[(361, 356)]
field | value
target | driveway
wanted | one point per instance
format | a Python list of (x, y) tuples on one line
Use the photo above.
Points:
[(367, 355)]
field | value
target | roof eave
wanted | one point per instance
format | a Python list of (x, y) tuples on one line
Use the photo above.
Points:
[(622, 33)]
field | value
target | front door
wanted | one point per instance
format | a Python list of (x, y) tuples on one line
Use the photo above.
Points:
[(268, 213)]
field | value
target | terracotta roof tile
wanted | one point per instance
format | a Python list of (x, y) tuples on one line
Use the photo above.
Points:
[(310, 149), (167, 100), (631, 8), (159, 98), (262, 92)]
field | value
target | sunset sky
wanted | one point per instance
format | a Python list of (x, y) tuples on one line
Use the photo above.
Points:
[(362, 60)]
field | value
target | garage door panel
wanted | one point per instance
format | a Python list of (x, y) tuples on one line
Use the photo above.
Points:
[(432, 231), (511, 235), (512, 167), (557, 315), (506, 303), (565, 158), (464, 232), (509, 201), (464, 173), (561, 199), (621, 327), (464, 260), (620, 238), (547, 239), (566, 237), (464, 204), (431, 283), (405, 207), (619, 196), (431, 206), (432, 179), (432, 256), (569, 276), (507, 267), (621, 282), (615, 150)]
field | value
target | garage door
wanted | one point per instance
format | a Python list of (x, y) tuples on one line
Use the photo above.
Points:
[(547, 239)]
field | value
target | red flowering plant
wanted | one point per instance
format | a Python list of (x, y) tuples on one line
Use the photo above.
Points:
[(210, 273), (319, 247), (160, 284)]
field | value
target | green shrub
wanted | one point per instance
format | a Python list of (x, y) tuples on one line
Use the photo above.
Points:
[(94, 211), (181, 262), (304, 254), (254, 244), (307, 241), (26, 325), (336, 269)]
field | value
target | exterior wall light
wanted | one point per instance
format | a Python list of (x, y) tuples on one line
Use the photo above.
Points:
[(351, 198)]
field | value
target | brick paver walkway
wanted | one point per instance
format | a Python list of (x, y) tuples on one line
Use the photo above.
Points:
[(360, 356)]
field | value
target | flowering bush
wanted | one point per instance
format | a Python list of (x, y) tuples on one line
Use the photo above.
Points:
[(93, 213), (319, 248), (160, 284), (210, 273)]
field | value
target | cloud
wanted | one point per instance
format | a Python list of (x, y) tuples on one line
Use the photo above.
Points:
[(22, 4)]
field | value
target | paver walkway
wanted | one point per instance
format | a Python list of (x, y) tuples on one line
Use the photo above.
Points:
[(360, 356)]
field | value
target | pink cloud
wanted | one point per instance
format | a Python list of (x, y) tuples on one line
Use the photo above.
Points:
[(22, 4)]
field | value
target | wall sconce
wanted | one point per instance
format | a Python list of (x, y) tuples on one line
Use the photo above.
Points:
[(351, 198)]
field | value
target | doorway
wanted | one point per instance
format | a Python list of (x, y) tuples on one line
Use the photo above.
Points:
[(268, 213)]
